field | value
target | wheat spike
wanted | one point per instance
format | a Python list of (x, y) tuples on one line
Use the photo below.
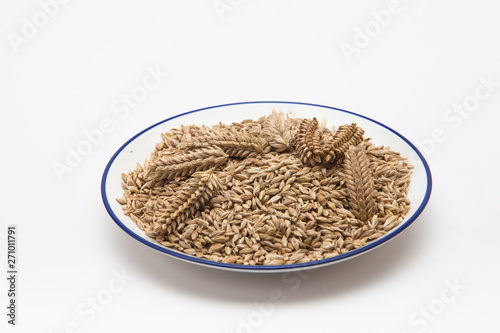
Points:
[(190, 198), (345, 137), (277, 131), (313, 145), (306, 143), (186, 163), (234, 144), (359, 182)]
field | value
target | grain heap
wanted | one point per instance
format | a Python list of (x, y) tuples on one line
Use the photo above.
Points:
[(273, 191)]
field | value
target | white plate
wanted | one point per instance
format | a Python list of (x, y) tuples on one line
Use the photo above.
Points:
[(139, 148)]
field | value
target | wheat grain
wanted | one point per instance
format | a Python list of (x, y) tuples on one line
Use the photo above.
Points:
[(272, 191)]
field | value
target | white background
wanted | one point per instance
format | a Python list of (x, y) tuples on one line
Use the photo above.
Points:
[(68, 76)]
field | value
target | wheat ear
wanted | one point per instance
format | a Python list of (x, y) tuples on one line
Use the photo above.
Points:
[(234, 144), (276, 130), (359, 182), (307, 142), (190, 198), (186, 163)]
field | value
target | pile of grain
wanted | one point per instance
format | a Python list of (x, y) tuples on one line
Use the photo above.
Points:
[(272, 191)]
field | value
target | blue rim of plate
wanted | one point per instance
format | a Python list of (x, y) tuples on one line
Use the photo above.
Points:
[(269, 268)]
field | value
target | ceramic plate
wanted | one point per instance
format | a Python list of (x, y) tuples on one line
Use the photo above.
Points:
[(140, 146)]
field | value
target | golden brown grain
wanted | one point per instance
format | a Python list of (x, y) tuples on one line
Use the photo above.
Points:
[(274, 191)]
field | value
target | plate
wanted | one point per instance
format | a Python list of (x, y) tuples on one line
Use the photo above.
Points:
[(140, 146)]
